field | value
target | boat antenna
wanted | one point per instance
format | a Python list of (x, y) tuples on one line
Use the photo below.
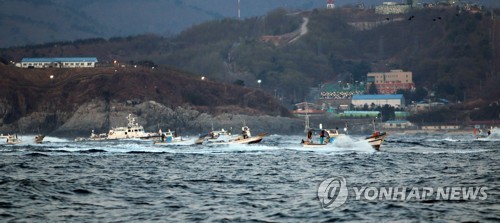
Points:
[(243, 120), (374, 130)]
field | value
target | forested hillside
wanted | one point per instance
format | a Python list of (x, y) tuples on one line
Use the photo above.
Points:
[(39, 21), (449, 52)]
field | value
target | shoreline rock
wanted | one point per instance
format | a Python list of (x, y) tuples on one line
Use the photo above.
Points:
[(100, 116)]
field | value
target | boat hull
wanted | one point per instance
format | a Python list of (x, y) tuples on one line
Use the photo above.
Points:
[(376, 140), (13, 140), (251, 140), (39, 139), (238, 140), (169, 141), (313, 145)]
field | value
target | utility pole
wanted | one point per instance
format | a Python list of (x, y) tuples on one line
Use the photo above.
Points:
[(493, 46), (464, 99)]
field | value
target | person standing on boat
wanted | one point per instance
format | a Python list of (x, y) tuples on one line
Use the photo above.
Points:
[(321, 136), (161, 135), (246, 132)]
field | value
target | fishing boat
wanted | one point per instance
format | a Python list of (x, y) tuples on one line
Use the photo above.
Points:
[(376, 139), (13, 139), (39, 138), (328, 136), (168, 137), (321, 137), (491, 133), (213, 136), (224, 137), (248, 140)]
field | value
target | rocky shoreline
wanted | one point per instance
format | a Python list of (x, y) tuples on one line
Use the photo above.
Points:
[(100, 116)]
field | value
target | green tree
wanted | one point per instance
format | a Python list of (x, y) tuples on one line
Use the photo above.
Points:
[(387, 113), (373, 89), (239, 82), (413, 96), (365, 107)]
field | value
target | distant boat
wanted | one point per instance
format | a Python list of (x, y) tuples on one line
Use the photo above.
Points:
[(132, 131), (376, 139), (223, 137), (492, 133), (213, 136), (168, 137), (329, 136), (39, 138), (322, 136), (13, 139)]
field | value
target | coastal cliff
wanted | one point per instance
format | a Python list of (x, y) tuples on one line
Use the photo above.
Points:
[(76, 101)]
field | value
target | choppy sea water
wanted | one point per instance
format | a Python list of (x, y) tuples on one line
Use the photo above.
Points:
[(276, 180)]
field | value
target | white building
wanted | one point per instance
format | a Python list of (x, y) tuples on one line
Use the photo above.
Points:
[(394, 100), (58, 62), (392, 8), (398, 124), (330, 4), (440, 127)]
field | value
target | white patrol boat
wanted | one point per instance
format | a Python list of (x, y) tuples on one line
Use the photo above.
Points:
[(133, 130)]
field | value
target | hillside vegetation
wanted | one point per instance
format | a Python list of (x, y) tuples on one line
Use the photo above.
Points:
[(39, 21), (450, 53), (24, 91)]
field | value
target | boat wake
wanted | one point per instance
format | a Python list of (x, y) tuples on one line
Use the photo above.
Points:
[(347, 142), (344, 144)]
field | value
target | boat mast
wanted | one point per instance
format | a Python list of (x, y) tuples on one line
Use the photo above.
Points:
[(306, 124)]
